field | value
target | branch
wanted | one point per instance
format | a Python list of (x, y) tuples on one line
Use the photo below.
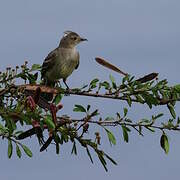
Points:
[(121, 122), (32, 88)]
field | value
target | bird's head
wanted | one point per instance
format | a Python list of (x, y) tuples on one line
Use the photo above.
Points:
[(71, 39)]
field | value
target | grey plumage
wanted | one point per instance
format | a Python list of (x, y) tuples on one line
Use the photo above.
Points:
[(61, 62)]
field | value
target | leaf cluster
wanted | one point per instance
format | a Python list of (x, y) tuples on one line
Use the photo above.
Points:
[(22, 105)]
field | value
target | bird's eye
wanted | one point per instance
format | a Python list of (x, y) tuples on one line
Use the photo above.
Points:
[(74, 38)]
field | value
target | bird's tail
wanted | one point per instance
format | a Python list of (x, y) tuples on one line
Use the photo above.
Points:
[(48, 96)]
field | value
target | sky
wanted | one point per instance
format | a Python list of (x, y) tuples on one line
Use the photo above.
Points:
[(139, 36)]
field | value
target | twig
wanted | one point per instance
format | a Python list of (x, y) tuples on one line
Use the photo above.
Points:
[(118, 122)]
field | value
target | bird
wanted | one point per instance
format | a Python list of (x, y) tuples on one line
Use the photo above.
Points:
[(62, 61)]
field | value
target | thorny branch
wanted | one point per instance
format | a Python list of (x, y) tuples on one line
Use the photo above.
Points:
[(116, 123), (32, 88), (24, 104)]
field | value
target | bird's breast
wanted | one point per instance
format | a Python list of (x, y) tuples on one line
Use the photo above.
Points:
[(67, 62)]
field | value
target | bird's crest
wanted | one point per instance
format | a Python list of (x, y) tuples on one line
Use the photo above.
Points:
[(70, 32), (67, 32)]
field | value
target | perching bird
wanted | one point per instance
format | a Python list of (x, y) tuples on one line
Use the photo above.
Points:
[(62, 61)]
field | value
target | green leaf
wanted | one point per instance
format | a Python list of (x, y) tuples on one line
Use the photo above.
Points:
[(125, 79), (1, 126), (125, 133), (88, 107), (129, 101), (112, 160), (10, 125), (171, 109), (79, 108), (49, 122), (32, 78), (177, 88), (128, 120), (109, 118), (27, 150), (112, 78), (74, 150), (125, 112), (57, 138), (178, 120), (150, 99), (164, 143), (84, 86), (102, 160), (111, 137), (95, 113), (35, 67), (93, 83), (105, 84), (64, 137), (89, 154), (165, 94), (158, 116), (10, 148), (3, 129), (113, 81), (150, 128), (57, 148), (131, 78), (140, 130), (18, 151), (118, 115), (89, 142), (144, 121), (57, 141), (58, 98), (21, 75), (139, 98)]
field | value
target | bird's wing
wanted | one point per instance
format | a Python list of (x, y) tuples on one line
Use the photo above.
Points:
[(78, 57), (49, 62)]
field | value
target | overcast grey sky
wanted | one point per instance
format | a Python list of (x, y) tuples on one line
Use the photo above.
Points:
[(139, 36)]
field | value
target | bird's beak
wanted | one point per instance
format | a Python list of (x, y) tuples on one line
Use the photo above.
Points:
[(83, 39)]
